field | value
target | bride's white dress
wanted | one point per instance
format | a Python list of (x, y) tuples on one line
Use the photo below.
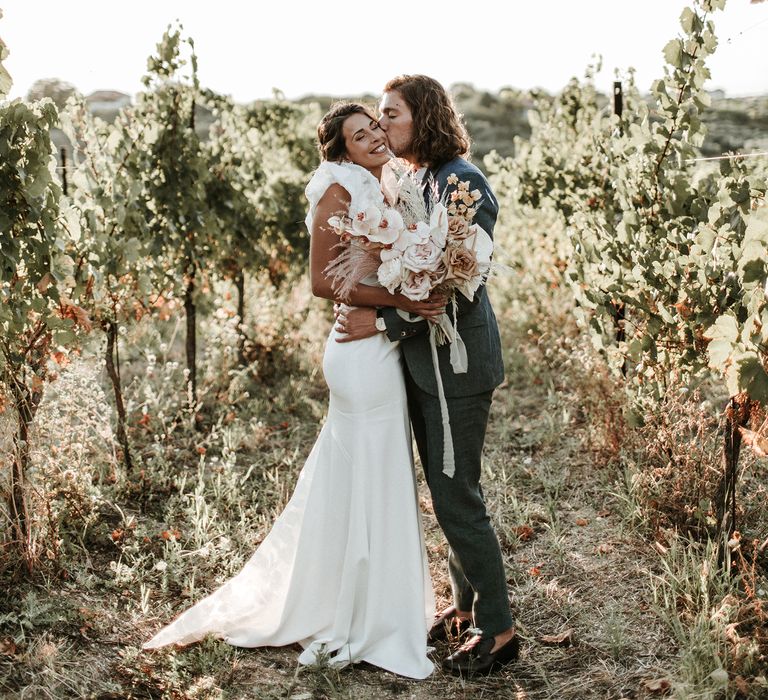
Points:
[(343, 570)]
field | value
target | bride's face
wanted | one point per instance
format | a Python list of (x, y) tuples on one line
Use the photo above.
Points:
[(365, 141)]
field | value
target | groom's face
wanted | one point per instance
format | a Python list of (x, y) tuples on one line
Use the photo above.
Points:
[(396, 119)]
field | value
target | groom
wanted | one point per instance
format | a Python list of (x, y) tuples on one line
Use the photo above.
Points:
[(424, 128)]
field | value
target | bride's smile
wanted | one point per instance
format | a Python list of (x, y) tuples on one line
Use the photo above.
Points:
[(365, 142)]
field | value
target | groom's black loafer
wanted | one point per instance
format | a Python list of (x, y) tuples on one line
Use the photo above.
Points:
[(475, 657), (447, 624)]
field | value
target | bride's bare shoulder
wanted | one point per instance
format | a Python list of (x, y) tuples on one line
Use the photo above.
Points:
[(335, 192)]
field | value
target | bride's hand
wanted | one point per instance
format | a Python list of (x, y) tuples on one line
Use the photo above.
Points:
[(428, 308)]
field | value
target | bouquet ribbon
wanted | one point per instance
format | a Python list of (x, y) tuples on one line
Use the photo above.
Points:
[(458, 363)]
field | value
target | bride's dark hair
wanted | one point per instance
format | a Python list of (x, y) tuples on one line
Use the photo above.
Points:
[(330, 137)]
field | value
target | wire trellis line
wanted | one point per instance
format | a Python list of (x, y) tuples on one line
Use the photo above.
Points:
[(730, 39), (735, 156)]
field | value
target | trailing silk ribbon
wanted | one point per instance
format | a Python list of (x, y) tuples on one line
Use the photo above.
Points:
[(451, 332), (459, 365)]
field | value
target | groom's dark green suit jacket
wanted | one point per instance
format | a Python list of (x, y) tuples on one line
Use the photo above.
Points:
[(476, 320)]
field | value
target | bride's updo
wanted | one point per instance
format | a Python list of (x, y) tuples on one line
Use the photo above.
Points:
[(330, 137)]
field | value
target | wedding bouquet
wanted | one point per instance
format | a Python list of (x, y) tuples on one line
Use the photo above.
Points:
[(415, 248)]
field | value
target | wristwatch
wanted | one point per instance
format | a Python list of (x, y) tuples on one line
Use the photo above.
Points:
[(380, 324)]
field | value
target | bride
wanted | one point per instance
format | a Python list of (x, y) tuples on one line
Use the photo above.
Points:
[(343, 571)]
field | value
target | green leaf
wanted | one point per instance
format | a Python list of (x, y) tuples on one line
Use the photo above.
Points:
[(754, 271), (724, 328), (6, 82), (132, 250), (757, 228), (72, 222), (706, 238), (635, 350), (753, 378), (673, 53), (687, 20), (668, 318), (5, 79), (64, 337), (38, 185), (635, 419), (719, 352)]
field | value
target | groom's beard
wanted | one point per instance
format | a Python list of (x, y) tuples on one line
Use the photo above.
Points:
[(403, 150)]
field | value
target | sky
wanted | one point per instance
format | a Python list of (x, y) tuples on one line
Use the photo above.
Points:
[(348, 47)]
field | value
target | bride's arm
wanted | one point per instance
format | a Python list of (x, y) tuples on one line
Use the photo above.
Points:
[(322, 242)]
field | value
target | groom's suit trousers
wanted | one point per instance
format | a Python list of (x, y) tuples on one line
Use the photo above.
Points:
[(476, 567)]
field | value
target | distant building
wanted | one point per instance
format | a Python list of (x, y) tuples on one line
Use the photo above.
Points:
[(717, 94), (107, 100)]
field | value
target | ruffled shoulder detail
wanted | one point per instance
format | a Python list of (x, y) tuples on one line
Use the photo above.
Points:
[(363, 188)]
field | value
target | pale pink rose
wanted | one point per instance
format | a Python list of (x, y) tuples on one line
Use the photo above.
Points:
[(422, 257), (416, 286), (390, 274)]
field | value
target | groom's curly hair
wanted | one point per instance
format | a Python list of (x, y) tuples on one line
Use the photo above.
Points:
[(439, 134), (330, 134)]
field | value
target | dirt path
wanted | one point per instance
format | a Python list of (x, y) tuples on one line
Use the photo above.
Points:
[(576, 572)]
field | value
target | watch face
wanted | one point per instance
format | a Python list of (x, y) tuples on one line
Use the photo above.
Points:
[(380, 325)]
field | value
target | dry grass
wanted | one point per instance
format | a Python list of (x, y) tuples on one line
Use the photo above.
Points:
[(575, 560)]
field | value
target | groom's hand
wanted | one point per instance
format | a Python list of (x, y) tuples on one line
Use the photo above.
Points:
[(355, 323)]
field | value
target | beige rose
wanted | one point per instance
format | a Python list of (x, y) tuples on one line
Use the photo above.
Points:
[(461, 264), (438, 274), (458, 228)]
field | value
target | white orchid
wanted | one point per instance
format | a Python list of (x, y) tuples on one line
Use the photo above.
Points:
[(415, 234), (438, 225), (389, 227), (339, 224), (366, 221)]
